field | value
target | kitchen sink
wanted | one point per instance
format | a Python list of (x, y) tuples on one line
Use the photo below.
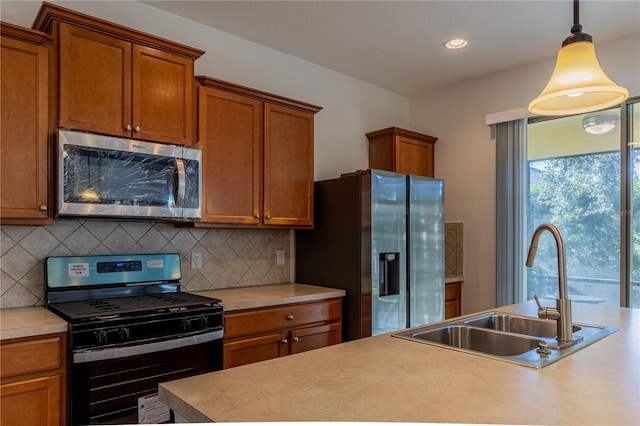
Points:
[(518, 324), (507, 337), (479, 339)]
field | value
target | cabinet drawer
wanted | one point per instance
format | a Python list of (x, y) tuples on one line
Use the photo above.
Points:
[(281, 317), (30, 356)]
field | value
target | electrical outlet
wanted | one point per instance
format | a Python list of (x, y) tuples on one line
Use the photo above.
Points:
[(279, 257), (196, 260)]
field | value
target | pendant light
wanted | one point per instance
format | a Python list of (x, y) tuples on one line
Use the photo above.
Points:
[(578, 85)]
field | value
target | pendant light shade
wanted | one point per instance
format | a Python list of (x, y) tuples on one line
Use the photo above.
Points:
[(578, 85)]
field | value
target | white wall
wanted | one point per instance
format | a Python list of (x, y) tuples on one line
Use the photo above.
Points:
[(465, 151), (351, 107)]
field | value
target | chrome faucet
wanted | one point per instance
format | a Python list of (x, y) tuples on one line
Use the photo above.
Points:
[(562, 312)]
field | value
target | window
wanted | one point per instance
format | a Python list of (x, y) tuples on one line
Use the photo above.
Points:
[(588, 185), (574, 183)]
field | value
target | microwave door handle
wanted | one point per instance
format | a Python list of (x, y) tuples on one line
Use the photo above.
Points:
[(182, 184)]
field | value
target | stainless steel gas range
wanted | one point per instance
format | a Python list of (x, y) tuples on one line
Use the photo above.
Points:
[(130, 328)]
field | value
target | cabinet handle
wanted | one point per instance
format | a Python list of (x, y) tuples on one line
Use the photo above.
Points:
[(296, 339), (258, 216), (137, 128), (289, 317), (268, 217), (43, 208), (128, 127), (285, 341)]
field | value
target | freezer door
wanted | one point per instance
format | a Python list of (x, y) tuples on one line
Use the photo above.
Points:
[(426, 247), (388, 251)]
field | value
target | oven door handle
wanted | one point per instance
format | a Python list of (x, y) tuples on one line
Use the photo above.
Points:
[(92, 355)]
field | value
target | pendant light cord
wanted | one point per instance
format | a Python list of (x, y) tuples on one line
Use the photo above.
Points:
[(576, 29), (576, 17)]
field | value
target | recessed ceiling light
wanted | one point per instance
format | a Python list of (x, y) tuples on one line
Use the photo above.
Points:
[(456, 43)]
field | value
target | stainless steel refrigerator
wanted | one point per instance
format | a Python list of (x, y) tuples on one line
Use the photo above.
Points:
[(380, 236)]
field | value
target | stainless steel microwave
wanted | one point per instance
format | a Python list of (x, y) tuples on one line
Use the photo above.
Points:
[(104, 176)]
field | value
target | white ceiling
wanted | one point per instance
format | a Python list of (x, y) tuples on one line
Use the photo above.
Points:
[(398, 45)]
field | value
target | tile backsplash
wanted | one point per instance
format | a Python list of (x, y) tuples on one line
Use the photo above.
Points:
[(230, 257), (454, 249)]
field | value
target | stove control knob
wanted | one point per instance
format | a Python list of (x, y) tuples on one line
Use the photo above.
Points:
[(124, 333), (204, 321), (186, 324), (101, 335)]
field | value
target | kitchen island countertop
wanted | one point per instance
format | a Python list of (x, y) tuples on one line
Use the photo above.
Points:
[(387, 379)]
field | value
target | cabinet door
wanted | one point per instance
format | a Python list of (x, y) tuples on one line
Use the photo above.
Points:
[(452, 300), (162, 96), (306, 339), (24, 167), (255, 349), (414, 157), (31, 402), (288, 167), (95, 81), (230, 135)]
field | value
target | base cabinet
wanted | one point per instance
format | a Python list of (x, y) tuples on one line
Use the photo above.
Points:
[(33, 373), (452, 300), (266, 333)]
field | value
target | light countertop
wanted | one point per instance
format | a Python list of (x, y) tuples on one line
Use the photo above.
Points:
[(387, 379), (261, 296), (28, 322)]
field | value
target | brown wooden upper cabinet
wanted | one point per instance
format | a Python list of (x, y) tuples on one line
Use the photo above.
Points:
[(24, 157), (257, 155), (118, 81), (402, 151)]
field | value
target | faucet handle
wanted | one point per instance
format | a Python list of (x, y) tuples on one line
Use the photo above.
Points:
[(535, 296)]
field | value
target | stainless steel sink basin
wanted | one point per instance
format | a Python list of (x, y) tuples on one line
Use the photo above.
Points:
[(517, 339), (518, 324), (480, 340)]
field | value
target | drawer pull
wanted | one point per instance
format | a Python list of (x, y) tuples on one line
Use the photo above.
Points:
[(285, 341), (296, 339), (289, 317)]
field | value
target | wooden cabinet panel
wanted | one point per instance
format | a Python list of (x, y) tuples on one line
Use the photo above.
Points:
[(288, 166), (414, 157), (24, 153), (31, 402), (402, 151), (265, 319), (452, 300), (118, 81), (33, 372), (230, 135), (30, 356), (257, 157), (310, 338), (265, 333), (255, 349), (162, 96), (95, 81)]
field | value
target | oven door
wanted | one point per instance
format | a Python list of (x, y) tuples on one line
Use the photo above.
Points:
[(106, 176), (107, 383)]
